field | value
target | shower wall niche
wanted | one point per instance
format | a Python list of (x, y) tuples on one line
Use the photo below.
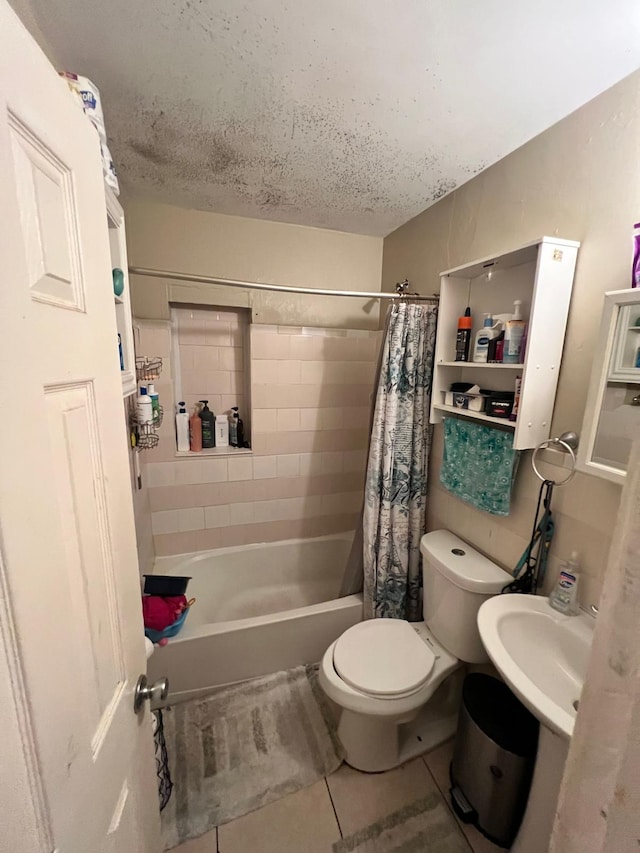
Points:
[(210, 360)]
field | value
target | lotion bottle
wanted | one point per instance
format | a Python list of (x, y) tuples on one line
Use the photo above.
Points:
[(513, 336), (488, 331), (182, 428)]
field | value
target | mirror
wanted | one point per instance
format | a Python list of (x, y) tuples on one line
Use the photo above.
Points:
[(612, 416)]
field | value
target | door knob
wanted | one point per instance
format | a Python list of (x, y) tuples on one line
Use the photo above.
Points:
[(156, 692)]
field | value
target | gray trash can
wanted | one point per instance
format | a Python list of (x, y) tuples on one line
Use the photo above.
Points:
[(493, 758)]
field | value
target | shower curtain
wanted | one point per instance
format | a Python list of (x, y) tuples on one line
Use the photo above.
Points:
[(385, 560)]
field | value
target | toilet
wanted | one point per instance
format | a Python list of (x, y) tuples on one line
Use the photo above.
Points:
[(398, 683)]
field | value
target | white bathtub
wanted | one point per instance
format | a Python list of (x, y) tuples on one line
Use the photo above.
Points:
[(259, 609)]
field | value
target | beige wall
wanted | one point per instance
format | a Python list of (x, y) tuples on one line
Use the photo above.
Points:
[(310, 389), (191, 241), (578, 180)]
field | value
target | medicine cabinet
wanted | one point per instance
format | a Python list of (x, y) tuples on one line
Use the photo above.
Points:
[(540, 274), (612, 415)]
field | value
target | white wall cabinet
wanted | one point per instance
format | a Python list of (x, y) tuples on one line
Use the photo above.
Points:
[(612, 414), (118, 248), (539, 274)]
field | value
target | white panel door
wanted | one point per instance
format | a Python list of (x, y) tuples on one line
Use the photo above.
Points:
[(78, 770)]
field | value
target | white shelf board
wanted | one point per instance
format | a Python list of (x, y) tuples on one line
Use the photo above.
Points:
[(214, 451), (481, 364), (476, 416)]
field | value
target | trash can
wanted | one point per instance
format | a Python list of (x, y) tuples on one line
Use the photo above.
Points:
[(493, 758)]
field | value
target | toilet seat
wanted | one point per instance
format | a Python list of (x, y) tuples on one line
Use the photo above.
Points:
[(383, 658)]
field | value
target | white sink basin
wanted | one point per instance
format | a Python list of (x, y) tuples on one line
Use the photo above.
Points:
[(540, 653)]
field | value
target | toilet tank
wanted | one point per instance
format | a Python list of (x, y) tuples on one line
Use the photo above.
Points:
[(457, 579)]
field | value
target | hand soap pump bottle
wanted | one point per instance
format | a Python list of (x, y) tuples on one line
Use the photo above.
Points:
[(564, 597), (208, 426), (488, 332)]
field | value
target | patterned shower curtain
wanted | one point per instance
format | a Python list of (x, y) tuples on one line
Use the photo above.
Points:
[(396, 482)]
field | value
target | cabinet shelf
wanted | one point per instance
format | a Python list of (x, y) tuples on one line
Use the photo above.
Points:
[(476, 416), (540, 275), (480, 365), (122, 303)]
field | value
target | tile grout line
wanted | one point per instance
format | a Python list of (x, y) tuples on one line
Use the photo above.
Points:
[(335, 813), (447, 804)]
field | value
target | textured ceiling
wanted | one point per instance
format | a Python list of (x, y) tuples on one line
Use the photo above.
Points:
[(346, 114)]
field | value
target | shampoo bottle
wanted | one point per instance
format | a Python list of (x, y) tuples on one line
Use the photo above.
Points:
[(565, 594), (195, 432), (143, 407), (208, 426), (239, 427), (182, 428), (513, 336), (233, 431), (155, 402), (463, 336)]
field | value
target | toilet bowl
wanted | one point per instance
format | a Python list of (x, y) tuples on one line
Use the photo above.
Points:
[(397, 684)]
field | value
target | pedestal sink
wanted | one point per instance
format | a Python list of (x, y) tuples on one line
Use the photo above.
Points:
[(542, 655)]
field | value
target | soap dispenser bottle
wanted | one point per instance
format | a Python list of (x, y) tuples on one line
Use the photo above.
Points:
[(564, 597), (208, 426)]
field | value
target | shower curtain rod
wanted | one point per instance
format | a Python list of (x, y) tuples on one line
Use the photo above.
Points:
[(401, 292)]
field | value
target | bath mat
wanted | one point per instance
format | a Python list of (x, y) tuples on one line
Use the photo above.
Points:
[(424, 826), (244, 746)]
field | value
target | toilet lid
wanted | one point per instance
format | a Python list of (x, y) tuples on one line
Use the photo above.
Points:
[(383, 657)]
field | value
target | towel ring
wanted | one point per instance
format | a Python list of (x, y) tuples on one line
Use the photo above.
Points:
[(566, 440)]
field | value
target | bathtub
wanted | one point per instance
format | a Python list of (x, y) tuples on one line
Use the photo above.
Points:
[(259, 609)]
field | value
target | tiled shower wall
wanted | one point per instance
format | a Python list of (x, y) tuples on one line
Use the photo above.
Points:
[(211, 345), (311, 390)]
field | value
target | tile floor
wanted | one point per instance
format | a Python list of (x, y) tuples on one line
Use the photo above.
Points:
[(311, 820)]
